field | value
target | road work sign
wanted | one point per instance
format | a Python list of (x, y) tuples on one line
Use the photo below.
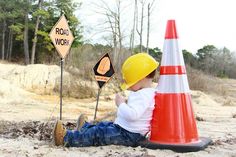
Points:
[(103, 70), (62, 37)]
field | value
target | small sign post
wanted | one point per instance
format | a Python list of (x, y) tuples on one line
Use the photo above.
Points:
[(103, 72), (62, 39)]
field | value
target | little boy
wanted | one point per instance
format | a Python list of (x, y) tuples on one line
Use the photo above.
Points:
[(133, 117)]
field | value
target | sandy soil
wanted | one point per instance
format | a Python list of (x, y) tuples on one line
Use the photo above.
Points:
[(26, 121)]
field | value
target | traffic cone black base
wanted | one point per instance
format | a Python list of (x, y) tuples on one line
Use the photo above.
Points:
[(201, 144)]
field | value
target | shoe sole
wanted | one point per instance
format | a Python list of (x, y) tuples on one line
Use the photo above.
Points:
[(80, 122)]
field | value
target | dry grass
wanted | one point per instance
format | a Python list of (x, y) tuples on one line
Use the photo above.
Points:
[(74, 88), (223, 90), (203, 82), (228, 102), (1, 94), (83, 82), (197, 81)]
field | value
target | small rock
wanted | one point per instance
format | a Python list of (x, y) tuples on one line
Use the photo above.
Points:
[(36, 147), (199, 118), (234, 115)]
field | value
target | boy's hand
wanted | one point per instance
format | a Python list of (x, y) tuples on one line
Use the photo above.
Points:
[(119, 100)]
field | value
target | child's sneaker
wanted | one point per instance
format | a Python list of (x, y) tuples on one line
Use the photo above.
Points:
[(59, 132), (80, 121)]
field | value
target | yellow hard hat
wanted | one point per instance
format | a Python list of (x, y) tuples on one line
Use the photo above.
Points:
[(137, 67)]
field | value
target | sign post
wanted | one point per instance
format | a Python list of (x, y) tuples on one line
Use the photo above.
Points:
[(61, 64), (96, 108), (103, 72), (62, 38)]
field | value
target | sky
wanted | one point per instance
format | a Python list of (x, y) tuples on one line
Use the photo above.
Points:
[(198, 22)]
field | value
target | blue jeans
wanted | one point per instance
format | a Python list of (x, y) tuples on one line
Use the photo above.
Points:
[(103, 133)]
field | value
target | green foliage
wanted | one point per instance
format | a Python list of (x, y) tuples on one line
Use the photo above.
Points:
[(137, 48), (67, 7), (189, 58), (156, 53), (217, 62), (206, 51), (14, 11), (16, 28), (42, 13), (46, 41)]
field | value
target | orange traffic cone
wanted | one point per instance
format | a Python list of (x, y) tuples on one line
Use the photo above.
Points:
[(173, 125), (173, 118)]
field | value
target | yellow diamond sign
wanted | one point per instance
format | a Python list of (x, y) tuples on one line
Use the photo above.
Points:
[(61, 36)]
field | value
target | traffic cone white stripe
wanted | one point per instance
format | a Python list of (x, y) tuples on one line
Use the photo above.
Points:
[(173, 84), (172, 49)]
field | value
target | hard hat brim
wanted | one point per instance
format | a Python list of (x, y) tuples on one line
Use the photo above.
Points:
[(125, 86)]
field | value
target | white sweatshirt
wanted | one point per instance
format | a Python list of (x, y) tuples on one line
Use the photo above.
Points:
[(136, 115)]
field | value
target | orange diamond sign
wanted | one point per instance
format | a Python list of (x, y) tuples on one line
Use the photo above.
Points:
[(61, 36), (103, 70)]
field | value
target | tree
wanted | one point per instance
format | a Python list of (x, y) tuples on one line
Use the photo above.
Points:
[(232, 66), (205, 58), (132, 37), (26, 31), (206, 51), (137, 48), (68, 7), (23, 21), (49, 15), (15, 30), (141, 18), (140, 31), (3, 38), (12, 14), (223, 62), (37, 14), (189, 58), (112, 25), (156, 53), (218, 62), (3, 17), (148, 23)]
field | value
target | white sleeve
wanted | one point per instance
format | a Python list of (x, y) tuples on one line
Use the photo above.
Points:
[(134, 109)]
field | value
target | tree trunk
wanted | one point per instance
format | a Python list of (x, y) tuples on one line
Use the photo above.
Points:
[(26, 44), (35, 34), (10, 48), (115, 45), (148, 28), (134, 24), (119, 33), (114, 36), (118, 25), (141, 29), (140, 32), (8, 43), (3, 38)]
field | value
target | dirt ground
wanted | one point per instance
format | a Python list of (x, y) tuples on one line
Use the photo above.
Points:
[(26, 121)]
